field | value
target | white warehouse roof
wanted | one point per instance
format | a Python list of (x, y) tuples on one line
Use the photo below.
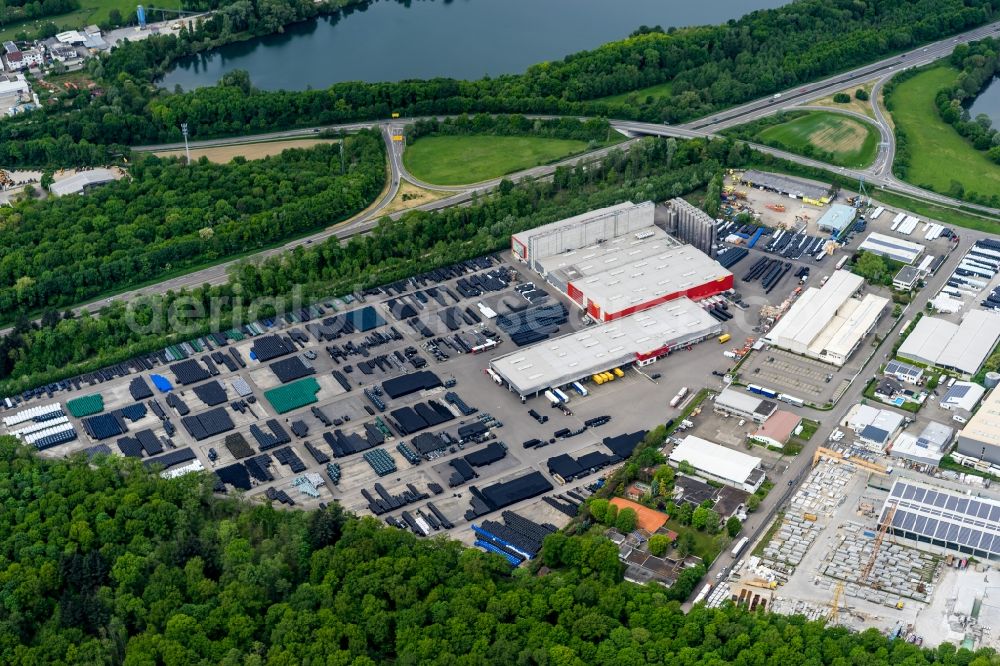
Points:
[(561, 360), (714, 460), (984, 426), (962, 347), (892, 248), (582, 230), (826, 323), (76, 183), (837, 218)]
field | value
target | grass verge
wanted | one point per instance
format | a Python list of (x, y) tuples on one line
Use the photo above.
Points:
[(640, 96), (465, 159), (939, 156), (832, 137)]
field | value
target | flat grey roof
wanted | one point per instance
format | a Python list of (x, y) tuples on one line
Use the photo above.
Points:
[(788, 184), (594, 349)]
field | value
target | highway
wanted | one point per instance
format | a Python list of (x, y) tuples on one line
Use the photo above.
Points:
[(877, 175)]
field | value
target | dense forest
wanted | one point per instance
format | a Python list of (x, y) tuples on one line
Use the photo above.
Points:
[(104, 562), (655, 169), (709, 68), (168, 216)]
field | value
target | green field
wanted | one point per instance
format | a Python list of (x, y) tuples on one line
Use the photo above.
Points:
[(460, 160), (938, 154), (639, 96), (90, 12), (832, 137)]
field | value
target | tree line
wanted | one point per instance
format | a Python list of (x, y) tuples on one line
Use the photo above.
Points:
[(167, 216), (977, 63), (106, 562), (593, 130), (710, 68), (61, 346)]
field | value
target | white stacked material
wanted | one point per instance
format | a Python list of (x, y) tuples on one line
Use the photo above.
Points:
[(907, 226), (193, 466), (241, 387), (876, 213), (31, 413), (925, 264), (946, 304), (933, 231), (896, 221), (35, 426), (40, 434)]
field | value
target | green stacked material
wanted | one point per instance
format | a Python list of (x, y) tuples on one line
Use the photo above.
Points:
[(86, 405), (292, 396)]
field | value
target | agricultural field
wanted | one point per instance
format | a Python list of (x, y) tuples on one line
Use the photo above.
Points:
[(939, 156), (832, 137), (461, 160), (251, 151)]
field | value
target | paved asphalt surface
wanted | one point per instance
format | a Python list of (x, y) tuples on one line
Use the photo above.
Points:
[(879, 174), (799, 466)]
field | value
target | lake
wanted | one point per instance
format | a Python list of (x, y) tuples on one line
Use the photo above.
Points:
[(464, 39), (988, 102)]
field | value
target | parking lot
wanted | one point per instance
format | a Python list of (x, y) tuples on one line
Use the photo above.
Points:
[(345, 367)]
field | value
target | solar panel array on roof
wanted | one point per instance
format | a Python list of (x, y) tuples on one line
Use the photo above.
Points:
[(398, 387), (945, 518), (104, 426), (189, 372), (208, 424), (140, 389), (268, 347), (290, 369), (211, 393), (903, 371), (170, 459)]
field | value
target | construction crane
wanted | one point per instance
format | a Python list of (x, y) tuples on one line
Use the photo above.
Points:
[(883, 528), (834, 615)]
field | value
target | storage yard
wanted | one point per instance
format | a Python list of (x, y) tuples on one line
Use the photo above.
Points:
[(490, 398)]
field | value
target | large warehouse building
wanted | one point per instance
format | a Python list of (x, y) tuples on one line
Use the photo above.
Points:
[(893, 248), (943, 520), (980, 438), (827, 323), (580, 231), (717, 463), (960, 347), (639, 338), (624, 267)]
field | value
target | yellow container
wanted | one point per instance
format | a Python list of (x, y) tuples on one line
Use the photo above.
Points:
[(598, 379), (619, 373), (724, 338)]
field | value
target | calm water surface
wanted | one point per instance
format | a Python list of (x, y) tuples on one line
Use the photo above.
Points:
[(465, 39)]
